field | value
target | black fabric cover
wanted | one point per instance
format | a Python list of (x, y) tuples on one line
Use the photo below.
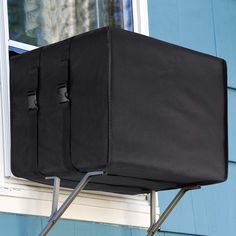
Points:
[(151, 114)]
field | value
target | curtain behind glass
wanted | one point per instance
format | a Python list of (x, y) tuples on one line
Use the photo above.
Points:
[(41, 22)]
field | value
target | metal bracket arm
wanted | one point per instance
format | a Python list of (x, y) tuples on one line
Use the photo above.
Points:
[(155, 226), (55, 196), (56, 214)]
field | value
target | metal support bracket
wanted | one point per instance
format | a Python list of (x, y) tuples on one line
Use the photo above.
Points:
[(155, 225), (57, 213), (55, 195), (153, 207)]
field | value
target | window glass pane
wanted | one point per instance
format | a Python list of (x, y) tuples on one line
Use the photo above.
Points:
[(41, 22)]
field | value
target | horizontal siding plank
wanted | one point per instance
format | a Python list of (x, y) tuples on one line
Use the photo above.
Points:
[(15, 225), (23, 225)]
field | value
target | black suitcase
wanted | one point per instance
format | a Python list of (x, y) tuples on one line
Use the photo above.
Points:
[(151, 114)]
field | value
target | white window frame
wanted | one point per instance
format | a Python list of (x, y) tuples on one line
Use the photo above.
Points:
[(23, 196), (140, 16)]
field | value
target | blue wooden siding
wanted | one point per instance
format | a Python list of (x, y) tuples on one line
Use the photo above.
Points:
[(209, 211), (208, 26), (232, 122), (204, 25), (225, 34), (22, 225)]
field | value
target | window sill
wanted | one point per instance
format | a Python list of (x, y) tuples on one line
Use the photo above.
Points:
[(25, 197)]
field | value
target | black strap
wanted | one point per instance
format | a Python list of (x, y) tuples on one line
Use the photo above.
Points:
[(33, 111), (65, 104), (33, 140)]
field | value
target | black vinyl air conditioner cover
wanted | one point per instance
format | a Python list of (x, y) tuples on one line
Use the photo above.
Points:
[(151, 114)]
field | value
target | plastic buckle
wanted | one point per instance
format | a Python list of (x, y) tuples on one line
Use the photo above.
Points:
[(32, 101), (63, 94)]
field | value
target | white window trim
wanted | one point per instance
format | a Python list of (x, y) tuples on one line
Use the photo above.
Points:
[(24, 46), (140, 16), (4, 76), (25, 197)]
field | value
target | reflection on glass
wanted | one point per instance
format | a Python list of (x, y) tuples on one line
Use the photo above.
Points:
[(41, 22)]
